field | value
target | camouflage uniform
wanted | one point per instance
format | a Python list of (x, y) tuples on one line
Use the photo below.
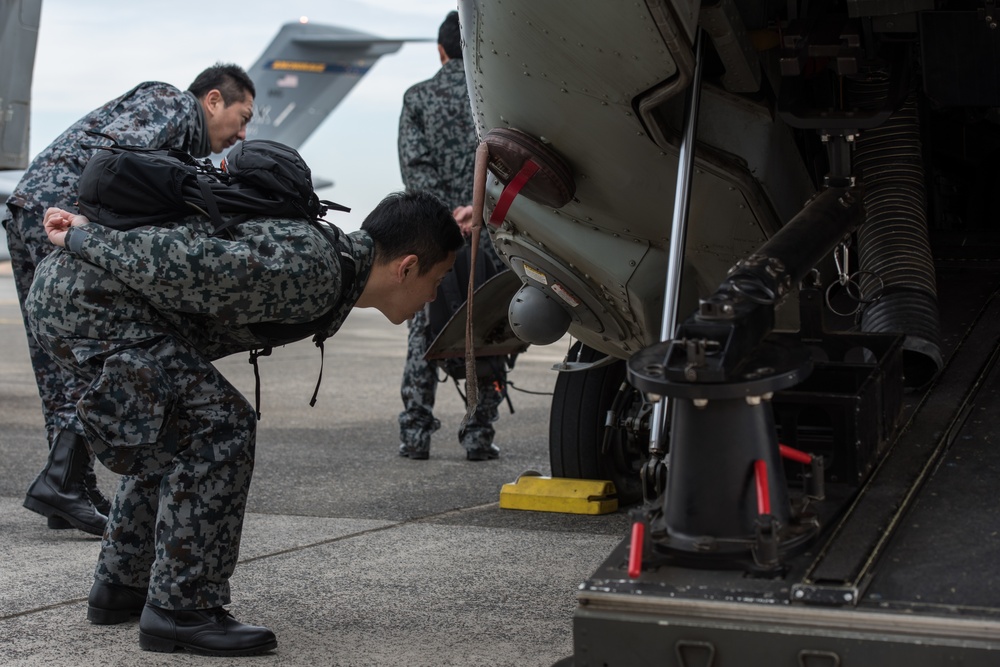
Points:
[(437, 154), (138, 317), (154, 115)]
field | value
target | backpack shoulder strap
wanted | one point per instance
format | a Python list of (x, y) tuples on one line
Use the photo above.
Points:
[(218, 224)]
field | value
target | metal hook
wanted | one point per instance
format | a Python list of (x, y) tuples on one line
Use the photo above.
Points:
[(842, 250)]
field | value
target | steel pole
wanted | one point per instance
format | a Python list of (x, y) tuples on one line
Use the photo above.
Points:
[(678, 231)]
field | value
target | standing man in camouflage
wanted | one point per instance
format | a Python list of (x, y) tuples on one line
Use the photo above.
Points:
[(207, 118), (139, 316), (437, 152)]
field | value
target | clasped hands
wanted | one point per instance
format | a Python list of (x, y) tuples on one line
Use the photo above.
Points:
[(57, 223)]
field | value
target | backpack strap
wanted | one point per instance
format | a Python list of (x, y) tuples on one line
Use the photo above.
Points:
[(327, 205), (184, 157), (218, 224), (319, 378), (254, 355), (348, 277)]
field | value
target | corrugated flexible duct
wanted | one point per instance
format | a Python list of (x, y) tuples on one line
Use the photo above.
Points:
[(896, 275)]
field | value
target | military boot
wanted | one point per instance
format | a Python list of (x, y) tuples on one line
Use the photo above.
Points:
[(101, 502), (60, 490)]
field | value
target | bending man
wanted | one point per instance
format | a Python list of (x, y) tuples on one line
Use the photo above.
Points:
[(138, 317)]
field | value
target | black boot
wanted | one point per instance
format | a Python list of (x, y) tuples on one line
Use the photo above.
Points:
[(60, 493), (204, 631), (101, 502), (110, 604)]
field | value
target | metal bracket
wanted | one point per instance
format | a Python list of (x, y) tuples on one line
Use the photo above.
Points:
[(565, 366), (831, 595)]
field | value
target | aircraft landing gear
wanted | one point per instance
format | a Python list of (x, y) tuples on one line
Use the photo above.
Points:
[(598, 427)]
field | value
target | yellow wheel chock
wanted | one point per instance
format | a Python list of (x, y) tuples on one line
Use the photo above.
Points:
[(533, 491)]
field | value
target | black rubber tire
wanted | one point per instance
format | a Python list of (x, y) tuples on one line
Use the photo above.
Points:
[(580, 403)]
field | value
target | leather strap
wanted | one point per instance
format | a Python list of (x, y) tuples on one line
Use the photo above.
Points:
[(528, 170)]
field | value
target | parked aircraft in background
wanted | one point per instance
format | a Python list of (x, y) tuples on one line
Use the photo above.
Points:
[(303, 74)]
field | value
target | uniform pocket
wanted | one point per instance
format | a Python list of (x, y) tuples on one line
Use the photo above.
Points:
[(126, 411)]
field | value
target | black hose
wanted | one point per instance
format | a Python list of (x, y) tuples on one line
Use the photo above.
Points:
[(896, 272)]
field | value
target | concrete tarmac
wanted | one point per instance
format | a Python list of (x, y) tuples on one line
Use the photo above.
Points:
[(351, 554)]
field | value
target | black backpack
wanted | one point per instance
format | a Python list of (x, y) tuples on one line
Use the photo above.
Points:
[(451, 296), (124, 187)]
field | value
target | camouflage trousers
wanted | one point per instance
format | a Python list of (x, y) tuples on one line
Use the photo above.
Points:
[(420, 381), (157, 411), (58, 389)]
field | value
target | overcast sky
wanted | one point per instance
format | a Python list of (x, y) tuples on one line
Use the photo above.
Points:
[(90, 52)]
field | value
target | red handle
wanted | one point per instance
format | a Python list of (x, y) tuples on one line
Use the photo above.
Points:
[(794, 454), (635, 551), (763, 492)]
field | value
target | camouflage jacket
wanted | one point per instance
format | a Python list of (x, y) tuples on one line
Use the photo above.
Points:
[(437, 137), (108, 289), (151, 115)]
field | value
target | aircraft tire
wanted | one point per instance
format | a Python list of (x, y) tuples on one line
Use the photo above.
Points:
[(580, 404)]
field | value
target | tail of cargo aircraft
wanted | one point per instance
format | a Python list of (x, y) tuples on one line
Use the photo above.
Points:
[(305, 73)]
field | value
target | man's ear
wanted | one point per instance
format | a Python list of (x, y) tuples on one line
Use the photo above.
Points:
[(213, 101), (406, 266)]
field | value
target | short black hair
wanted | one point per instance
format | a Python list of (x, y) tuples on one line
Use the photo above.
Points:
[(413, 223), (230, 80), (450, 37)]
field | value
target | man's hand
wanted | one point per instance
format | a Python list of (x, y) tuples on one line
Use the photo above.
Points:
[(463, 216), (57, 222)]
